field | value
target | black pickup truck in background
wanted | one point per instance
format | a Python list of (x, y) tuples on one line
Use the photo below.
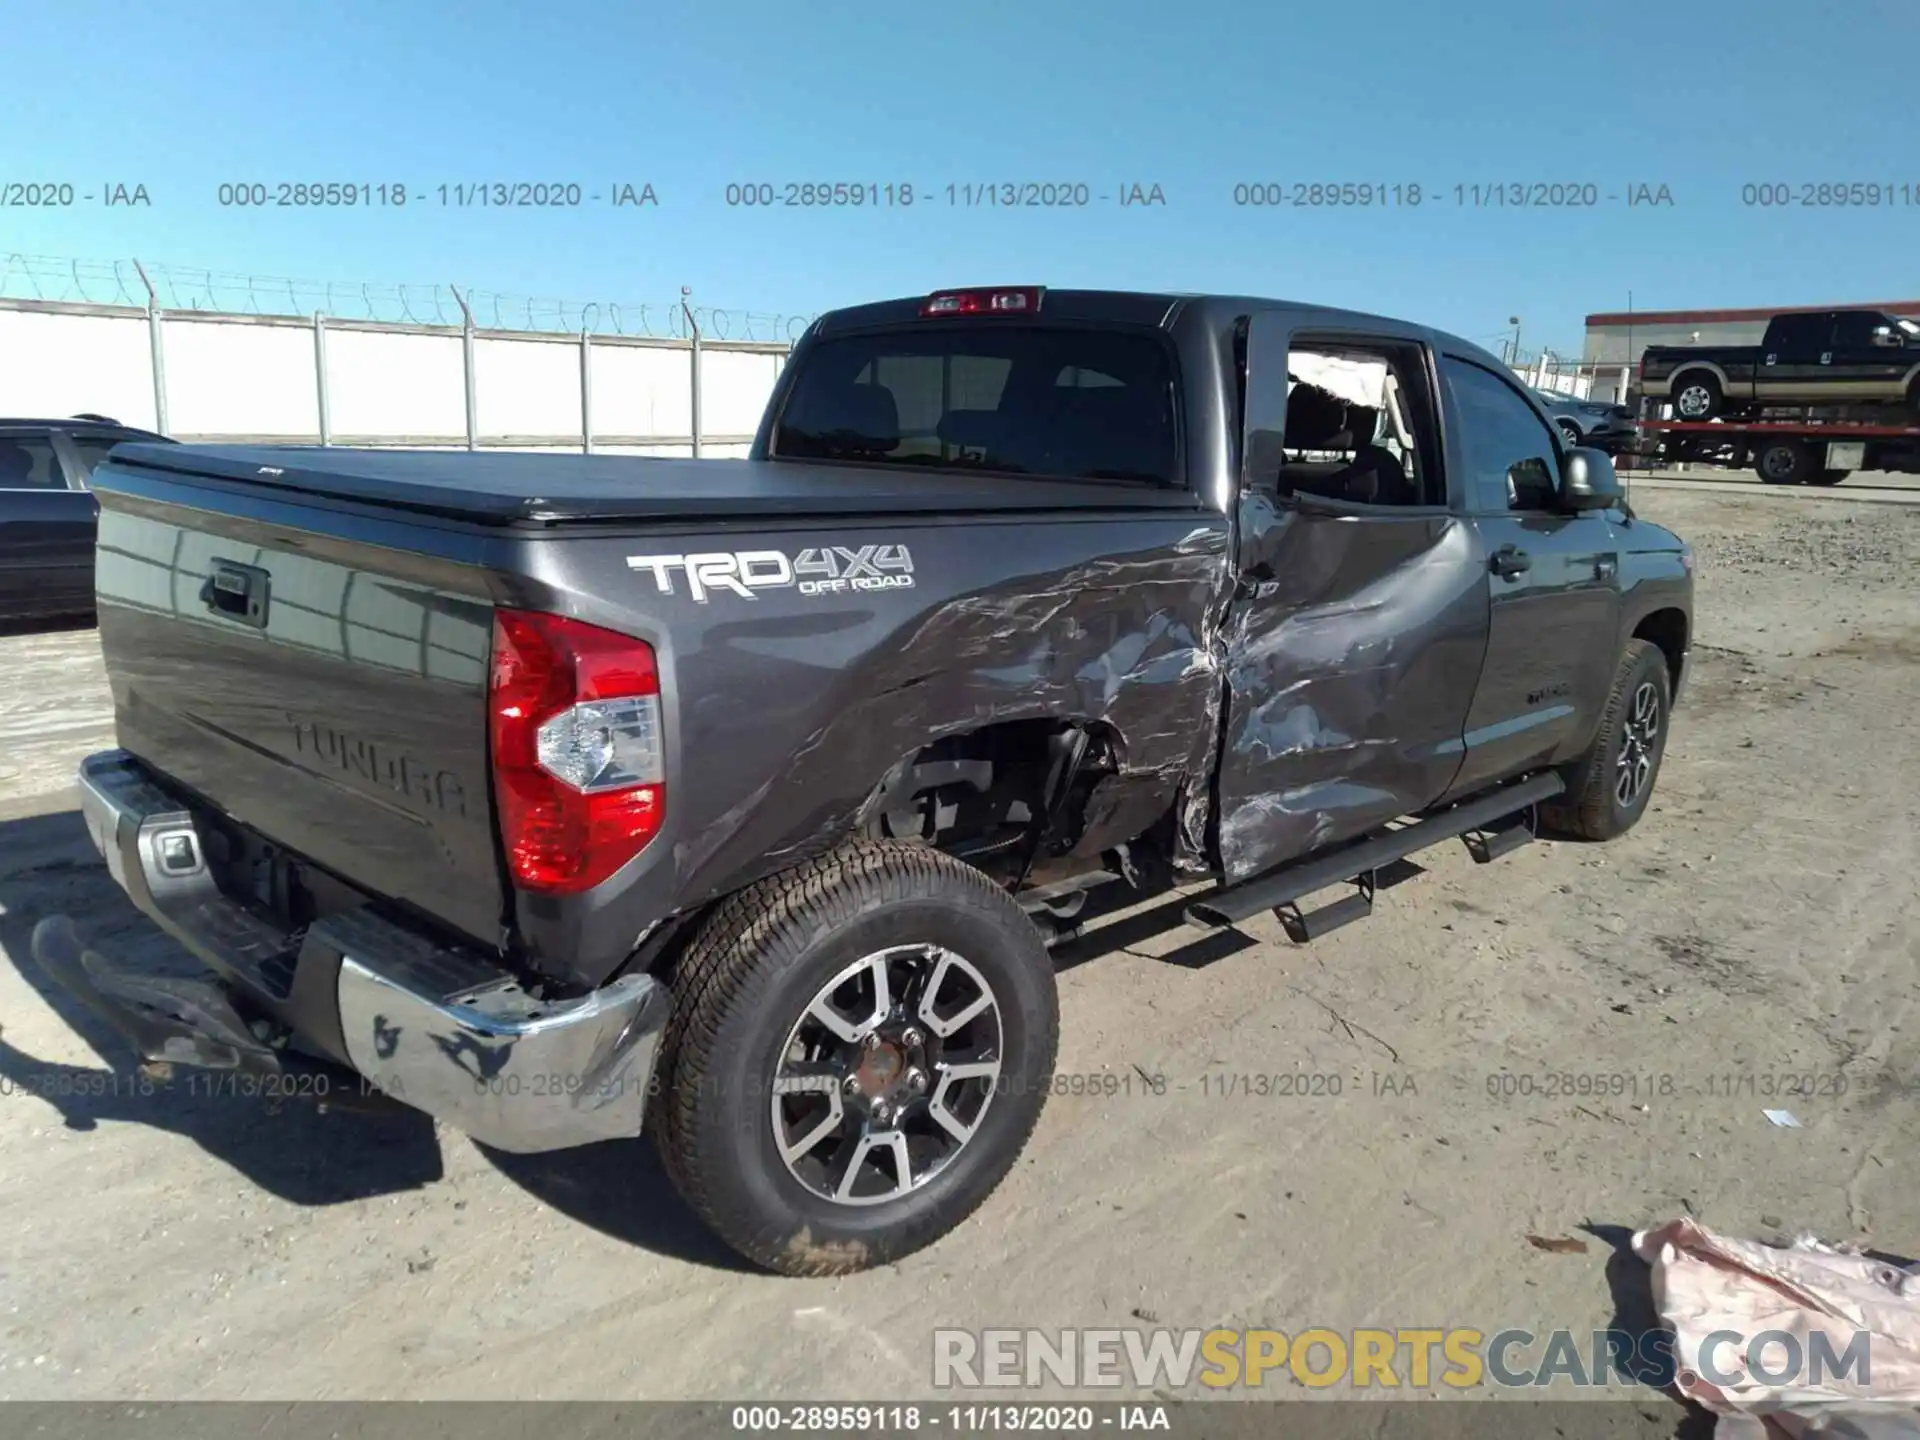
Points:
[(1807, 359), (561, 795)]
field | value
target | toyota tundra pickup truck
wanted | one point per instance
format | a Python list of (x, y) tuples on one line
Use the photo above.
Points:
[(1807, 359), (570, 798)]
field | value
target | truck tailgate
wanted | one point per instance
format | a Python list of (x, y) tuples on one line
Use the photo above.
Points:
[(325, 691)]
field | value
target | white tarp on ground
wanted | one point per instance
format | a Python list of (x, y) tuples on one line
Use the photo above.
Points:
[(1708, 1286)]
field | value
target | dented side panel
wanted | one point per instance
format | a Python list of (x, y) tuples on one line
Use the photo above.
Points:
[(789, 698), (1352, 659), (1353, 646)]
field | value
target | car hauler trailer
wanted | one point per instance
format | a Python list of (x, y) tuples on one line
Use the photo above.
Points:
[(1785, 451)]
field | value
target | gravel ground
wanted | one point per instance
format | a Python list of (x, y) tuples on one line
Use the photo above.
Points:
[(1761, 924)]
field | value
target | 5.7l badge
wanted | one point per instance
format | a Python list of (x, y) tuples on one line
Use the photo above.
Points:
[(818, 570)]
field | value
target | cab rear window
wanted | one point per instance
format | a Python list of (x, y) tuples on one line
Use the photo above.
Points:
[(1052, 401)]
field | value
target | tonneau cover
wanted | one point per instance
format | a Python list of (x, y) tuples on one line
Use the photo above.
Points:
[(541, 488)]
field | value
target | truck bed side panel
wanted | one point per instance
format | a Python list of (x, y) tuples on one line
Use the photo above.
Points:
[(785, 711)]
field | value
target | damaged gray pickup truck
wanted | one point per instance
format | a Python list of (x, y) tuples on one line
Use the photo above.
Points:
[(563, 797)]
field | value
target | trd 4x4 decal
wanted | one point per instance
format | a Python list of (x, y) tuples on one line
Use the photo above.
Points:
[(818, 570)]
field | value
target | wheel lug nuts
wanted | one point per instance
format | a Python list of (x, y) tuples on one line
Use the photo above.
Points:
[(916, 1081), (872, 1042), (851, 1085), (882, 1111), (911, 1036)]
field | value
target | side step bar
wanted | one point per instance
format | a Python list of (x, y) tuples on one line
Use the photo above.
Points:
[(1234, 903)]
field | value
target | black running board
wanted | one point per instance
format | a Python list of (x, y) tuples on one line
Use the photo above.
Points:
[(1359, 860)]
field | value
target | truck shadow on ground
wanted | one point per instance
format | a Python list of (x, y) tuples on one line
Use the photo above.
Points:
[(311, 1156), (290, 1148), (620, 1189), (46, 625)]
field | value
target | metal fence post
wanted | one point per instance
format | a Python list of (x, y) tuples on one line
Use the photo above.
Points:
[(158, 351), (693, 327), (586, 391), (466, 357), (320, 376)]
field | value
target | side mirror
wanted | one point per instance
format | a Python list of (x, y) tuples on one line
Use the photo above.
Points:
[(1591, 483), (1886, 335)]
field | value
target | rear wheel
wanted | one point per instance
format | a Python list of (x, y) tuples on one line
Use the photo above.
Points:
[(1696, 396), (1609, 787), (1784, 462), (858, 1053)]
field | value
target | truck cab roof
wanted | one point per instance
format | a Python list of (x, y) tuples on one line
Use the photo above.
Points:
[(1156, 308)]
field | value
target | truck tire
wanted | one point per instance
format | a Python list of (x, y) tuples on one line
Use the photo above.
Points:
[(1784, 462), (858, 1051), (1696, 396), (1830, 477), (1607, 788)]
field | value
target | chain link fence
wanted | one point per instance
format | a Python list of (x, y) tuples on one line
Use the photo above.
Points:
[(172, 287)]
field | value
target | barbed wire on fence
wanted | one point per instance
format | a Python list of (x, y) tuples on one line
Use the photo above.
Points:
[(125, 282)]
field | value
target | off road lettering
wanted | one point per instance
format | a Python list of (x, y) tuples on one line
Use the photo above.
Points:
[(816, 570)]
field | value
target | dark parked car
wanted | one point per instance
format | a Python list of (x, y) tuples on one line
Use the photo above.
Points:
[(1807, 358), (47, 512), (1599, 423), (556, 795)]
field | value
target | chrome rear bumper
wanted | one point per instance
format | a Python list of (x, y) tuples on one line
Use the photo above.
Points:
[(427, 1022)]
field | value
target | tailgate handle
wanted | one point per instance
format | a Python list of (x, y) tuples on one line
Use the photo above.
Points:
[(239, 592)]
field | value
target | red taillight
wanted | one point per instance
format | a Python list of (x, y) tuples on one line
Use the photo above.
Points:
[(997, 300), (578, 770)]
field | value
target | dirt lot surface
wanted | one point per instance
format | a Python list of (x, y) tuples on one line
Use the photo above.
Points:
[(1757, 934)]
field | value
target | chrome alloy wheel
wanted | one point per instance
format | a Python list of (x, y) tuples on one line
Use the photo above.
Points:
[(1693, 401), (1638, 740), (887, 1074)]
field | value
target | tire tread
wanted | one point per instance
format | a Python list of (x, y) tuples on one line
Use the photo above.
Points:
[(729, 958), (1586, 808)]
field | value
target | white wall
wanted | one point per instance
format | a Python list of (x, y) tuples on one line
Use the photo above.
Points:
[(57, 363), (234, 377), (526, 387), (733, 390), (640, 390), (381, 383)]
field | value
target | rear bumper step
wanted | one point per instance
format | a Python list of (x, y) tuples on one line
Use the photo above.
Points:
[(441, 1029), (1235, 903)]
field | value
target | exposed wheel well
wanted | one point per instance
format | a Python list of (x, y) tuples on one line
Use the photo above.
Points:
[(1668, 630), (978, 794)]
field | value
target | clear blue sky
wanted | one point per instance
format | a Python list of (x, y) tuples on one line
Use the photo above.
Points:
[(1701, 96)]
